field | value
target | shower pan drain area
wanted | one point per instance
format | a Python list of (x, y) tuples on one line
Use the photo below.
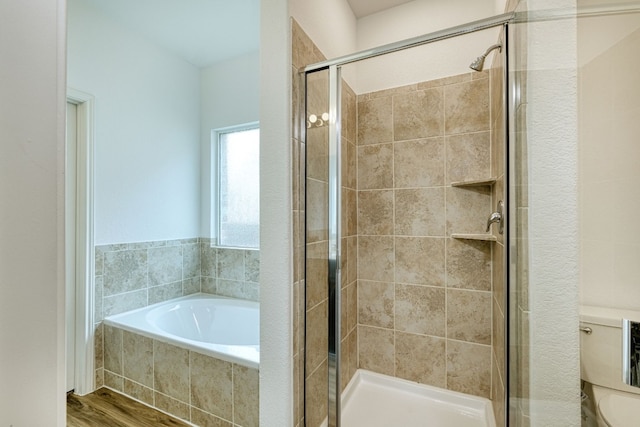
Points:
[(376, 400)]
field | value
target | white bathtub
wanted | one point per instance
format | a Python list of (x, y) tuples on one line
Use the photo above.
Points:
[(224, 328)]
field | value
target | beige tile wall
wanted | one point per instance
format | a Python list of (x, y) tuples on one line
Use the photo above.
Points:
[(134, 275), (425, 299), (417, 303), (312, 294), (197, 388), (349, 242), (309, 311), (230, 272), (316, 290)]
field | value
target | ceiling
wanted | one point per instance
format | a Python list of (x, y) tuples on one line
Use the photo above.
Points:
[(368, 7), (202, 32)]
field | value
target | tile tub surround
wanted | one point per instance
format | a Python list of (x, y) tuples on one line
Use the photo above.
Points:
[(135, 275), (188, 385), (230, 272)]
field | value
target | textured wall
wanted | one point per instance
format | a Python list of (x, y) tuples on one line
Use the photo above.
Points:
[(553, 219), (32, 102), (276, 217)]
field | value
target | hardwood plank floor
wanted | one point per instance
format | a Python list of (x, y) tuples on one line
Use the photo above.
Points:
[(106, 408)]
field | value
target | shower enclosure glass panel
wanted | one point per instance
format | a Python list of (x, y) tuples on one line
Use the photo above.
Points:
[(518, 310), (401, 176)]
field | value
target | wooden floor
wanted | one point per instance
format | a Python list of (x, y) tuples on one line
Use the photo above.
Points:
[(106, 408)]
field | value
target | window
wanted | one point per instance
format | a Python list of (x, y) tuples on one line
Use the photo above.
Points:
[(238, 190)]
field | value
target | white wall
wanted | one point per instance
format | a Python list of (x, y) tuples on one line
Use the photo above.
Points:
[(442, 59), (553, 219), (331, 24), (336, 32), (419, 17), (230, 96), (598, 34), (32, 106), (276, 224), (147, 149), (609, 158)]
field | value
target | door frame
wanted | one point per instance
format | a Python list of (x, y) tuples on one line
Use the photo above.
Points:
[(85, 252)]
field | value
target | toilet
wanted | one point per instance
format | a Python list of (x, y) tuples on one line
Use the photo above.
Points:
[(616, 403)]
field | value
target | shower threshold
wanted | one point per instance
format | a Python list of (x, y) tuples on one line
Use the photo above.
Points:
[(376, 400)]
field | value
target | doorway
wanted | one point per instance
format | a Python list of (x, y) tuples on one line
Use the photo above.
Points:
[(70, 241), (79, 252)]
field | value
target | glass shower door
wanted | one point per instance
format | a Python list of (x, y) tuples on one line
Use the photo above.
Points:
[(385, 210), (319, 251)]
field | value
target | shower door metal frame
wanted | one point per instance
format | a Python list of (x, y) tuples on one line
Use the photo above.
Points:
[(459, 30), (334, 208), (335, 234)]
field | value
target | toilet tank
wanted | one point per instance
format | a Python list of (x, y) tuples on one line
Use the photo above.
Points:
[(601, 350)]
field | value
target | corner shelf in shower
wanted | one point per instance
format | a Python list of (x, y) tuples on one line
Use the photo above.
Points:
[(487, 182), (483, 237), (474, 182)]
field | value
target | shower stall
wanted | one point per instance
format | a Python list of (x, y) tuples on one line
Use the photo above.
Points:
[(404, 220)]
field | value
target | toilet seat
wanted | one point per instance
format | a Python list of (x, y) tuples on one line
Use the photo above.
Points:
[(619, 411)]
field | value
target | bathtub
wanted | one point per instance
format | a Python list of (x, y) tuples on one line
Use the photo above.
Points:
[(224, 328)]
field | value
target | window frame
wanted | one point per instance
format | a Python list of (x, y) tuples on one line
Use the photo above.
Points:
[(216, 187)]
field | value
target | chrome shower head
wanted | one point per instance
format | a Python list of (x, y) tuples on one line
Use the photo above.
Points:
[(479, 62)]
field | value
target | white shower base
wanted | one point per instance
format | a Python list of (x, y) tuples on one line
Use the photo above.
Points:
[(375, 400)]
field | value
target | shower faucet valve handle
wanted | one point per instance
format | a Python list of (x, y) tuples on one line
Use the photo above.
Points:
[(497, 217)]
